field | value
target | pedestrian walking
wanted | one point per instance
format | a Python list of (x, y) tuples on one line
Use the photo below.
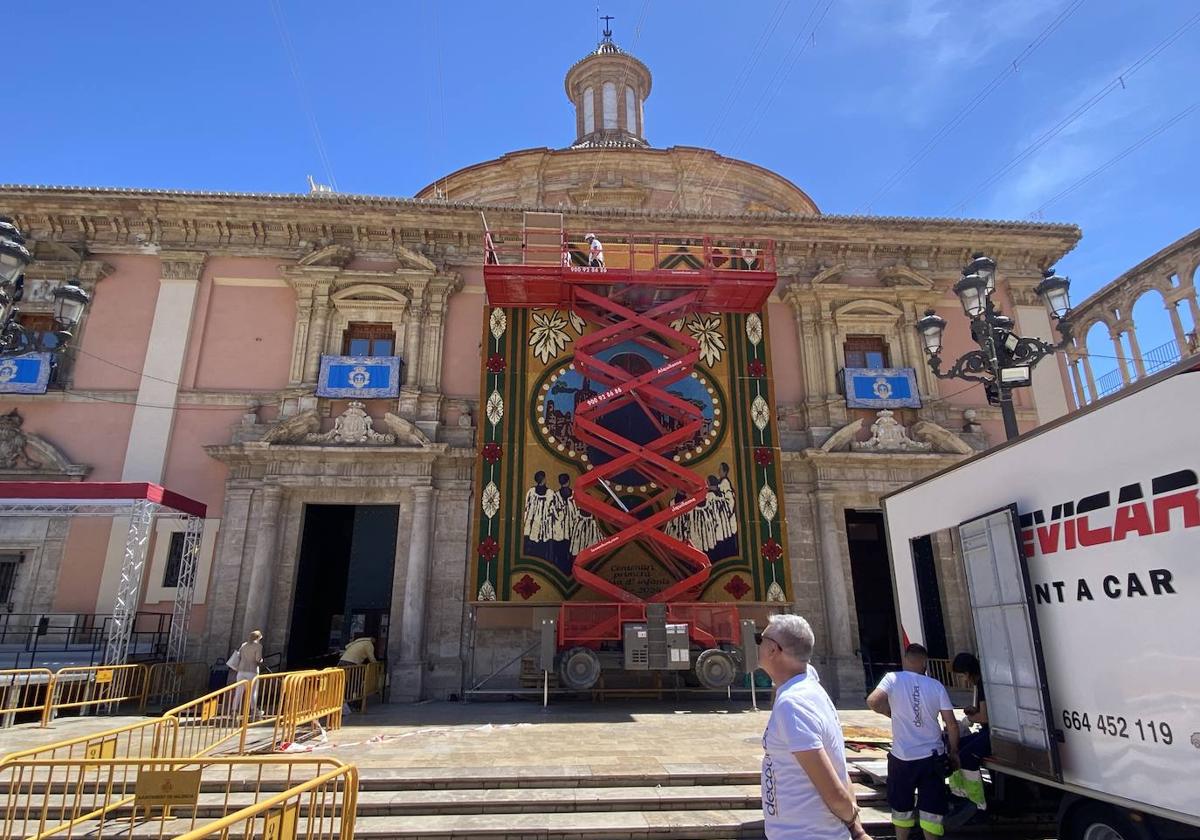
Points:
[(245, 662), (806, 790), (916, 784)]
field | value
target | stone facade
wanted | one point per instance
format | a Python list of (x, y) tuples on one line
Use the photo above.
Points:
[(198, 364)]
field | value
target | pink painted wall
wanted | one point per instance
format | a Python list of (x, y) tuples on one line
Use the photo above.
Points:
[(90, 432), (189, 470), (82, 565), (117, 328), (241, 335), (462, 356), (785, 354)]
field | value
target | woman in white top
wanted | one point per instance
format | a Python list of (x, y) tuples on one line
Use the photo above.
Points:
[(244, 663)]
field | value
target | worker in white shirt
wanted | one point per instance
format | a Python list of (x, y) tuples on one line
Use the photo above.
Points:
[(595, 251), (916, 784)]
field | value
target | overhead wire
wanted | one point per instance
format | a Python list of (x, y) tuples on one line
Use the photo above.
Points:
[(782, 72), (731, 98), (1118, 83), (1010, 69), (302, 91), (1128, 150)]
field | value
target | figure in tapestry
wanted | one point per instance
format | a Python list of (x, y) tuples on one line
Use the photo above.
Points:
[(554, 527)]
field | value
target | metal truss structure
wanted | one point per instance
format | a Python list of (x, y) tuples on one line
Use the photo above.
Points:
[(647, 283), (143, 503)]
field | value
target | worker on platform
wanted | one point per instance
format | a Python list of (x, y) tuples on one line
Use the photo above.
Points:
[(595, 251)]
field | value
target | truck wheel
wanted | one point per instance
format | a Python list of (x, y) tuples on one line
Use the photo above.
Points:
[(716, 669), (1097, 821), (578, 669)]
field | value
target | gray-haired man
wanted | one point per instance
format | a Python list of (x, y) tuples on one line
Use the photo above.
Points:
[(806, 791)]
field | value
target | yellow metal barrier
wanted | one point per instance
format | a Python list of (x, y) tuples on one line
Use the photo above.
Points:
[(206, 797), (167, 682), (87, 686), (310, 697), (24, 690), (211, 722), (154, 738), (266, 692), (364, 680)]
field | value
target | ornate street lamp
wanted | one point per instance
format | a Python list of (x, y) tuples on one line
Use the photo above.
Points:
[(70, 301), (1004, 359)]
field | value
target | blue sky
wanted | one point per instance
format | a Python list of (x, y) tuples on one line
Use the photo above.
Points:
[(203, 96)]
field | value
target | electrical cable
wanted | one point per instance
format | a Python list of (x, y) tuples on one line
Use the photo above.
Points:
[(1118, 83), (954, 122), (1114, 160), (302, 90)]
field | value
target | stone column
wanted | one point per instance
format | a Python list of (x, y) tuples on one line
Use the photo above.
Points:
[(1139, 364), (831, 359), (1195, 307), (1081, 396), (304, 304), (316, 333), (1122, 364), (848, 674), (1177, 327), (262, 570), (408, 672), (1091, 377), (226, 573)]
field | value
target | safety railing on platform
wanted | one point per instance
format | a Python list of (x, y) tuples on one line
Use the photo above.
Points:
[(215, 721), (628, 251), (28, 638), (88, 687), (168, 682), (266, 698), (364, 680), (269, 797), (25, 691), (310, 697)]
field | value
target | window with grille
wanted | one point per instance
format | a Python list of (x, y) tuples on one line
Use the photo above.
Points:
[(866, 351), (174, 560), (363, 339), (8, 576)]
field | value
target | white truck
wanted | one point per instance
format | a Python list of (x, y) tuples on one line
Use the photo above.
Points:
[(1081, 547)]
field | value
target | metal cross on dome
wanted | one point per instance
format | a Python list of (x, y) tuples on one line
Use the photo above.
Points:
[(607, 25)]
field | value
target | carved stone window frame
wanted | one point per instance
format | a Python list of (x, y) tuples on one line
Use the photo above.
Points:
[(367, 303), (868, 316)]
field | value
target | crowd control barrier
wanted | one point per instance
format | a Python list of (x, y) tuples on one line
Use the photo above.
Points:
[(25, 691), (309, 697), (364, 680), (212, 722), (269, 797), (89, 687)]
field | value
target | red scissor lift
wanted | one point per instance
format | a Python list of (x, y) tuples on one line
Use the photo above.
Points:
[(647, 282)]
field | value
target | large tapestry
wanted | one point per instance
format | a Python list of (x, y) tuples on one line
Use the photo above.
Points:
[(528, 526)]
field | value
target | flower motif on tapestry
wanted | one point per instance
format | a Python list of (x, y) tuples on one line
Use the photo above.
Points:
[(492, 452), (756, 368), (768, 502), (549, 336), (526, 587), (495, 407), (775, 592), (498, 323), (487, 592), (737, 587), (577, 322), (762, 456), (491, 499), (495, 363), (771, 551), (760, 413), (754, 329), (707, 331), (489, 548)]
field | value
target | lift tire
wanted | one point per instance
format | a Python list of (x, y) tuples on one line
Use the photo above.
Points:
[(716, 669), (1099, 821), (578, 669)]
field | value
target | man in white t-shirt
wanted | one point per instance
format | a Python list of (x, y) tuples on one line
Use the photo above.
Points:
[(595, 251), (806, 790), (916, 785)]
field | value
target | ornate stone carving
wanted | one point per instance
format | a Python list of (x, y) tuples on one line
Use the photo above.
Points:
[(887, 435), (336, 256), (353, 428), (944, 440), (294, 429), (29, 456), (404, 431), (182, 265)]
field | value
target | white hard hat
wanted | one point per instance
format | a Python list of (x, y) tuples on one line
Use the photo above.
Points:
[(589, 236)]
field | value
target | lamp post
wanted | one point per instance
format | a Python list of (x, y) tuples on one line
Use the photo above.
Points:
[(1004, 360), (70, 301)]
